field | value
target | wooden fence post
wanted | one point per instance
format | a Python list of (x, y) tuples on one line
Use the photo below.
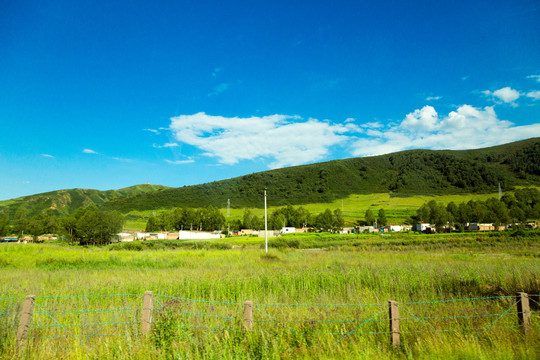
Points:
[(147, 311), (248, 315), (524, 312), (26, 319), (394, 322)]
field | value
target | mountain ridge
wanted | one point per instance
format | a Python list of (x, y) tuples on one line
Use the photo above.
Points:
[(404, 173)]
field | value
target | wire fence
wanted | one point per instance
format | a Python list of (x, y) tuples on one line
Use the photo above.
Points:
[(89, 318)]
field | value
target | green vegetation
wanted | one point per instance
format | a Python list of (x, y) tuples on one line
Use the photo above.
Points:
[(414, 172), (367, 269), (65, 202)]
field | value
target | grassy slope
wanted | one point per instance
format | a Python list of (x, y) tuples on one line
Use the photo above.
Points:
[(414, 172), (65, 202)]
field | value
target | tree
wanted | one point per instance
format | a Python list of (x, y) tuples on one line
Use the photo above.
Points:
[(277, 220), (382, 218), (370, 217), (21, 220), (325, 220), (498, 213), (423, 213), (212, 218), (4, 225), (338, 219), (256, 223), (248, 217), (98, 227), (152, 225), (43, 223)]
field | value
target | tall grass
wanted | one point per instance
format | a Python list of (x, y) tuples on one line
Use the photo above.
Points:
[(364, 270)]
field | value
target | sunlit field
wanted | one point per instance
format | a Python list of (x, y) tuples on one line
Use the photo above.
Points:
[(314, 296)]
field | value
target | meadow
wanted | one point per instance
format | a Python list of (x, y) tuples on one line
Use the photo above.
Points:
[(314, 296)]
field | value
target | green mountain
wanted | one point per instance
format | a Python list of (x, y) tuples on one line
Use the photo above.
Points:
[(427, 172), (64, 202), (405, 173)]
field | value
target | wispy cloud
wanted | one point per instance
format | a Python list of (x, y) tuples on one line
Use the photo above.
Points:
[(154, 131), (167, 145), (284, 140), (505, 95), (431, 98), (460, 129), (47, 156), (179, 162), (534, 77), (219, 89), (216, 72), (534, 94), (89, 151)]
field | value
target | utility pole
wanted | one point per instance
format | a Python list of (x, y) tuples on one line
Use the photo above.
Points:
[(265, 225), (228, 207)]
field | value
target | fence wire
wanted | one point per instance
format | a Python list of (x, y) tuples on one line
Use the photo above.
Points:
[(88, 318)]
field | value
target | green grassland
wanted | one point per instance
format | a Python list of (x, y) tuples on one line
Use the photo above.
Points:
[(317, 269), (397, 208)]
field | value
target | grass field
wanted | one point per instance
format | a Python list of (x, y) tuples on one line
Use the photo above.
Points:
[(417, 271)]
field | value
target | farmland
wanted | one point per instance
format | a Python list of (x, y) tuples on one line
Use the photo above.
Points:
[(417, 271)]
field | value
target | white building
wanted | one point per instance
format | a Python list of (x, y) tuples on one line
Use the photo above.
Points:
[(287, 230)]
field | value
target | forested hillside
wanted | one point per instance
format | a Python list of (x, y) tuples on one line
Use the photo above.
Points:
[(65, 202), (427, 172)]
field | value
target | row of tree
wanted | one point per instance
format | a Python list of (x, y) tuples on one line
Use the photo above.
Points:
[(371, 220), (519, 207), (210, 219), (207, 219), (87, 225)]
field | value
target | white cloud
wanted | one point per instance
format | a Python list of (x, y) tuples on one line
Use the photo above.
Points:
[(284, 139), (179, 162), (534, 77), (47, 156), (167, 145), (534, 94), (431, 98), (154, 131), (466, 128), (506, 95), (89, 151), (372, 125)]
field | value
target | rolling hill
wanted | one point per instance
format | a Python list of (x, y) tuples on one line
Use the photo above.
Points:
[(412, 172), (405, 173), (64, 202)]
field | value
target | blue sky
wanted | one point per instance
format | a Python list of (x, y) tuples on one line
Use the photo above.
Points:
[(112, 94)]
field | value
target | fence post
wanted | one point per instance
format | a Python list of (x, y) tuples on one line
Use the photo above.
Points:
[(524, 312), (394, 322), (248, 315), (147, 311), (26, 319)]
